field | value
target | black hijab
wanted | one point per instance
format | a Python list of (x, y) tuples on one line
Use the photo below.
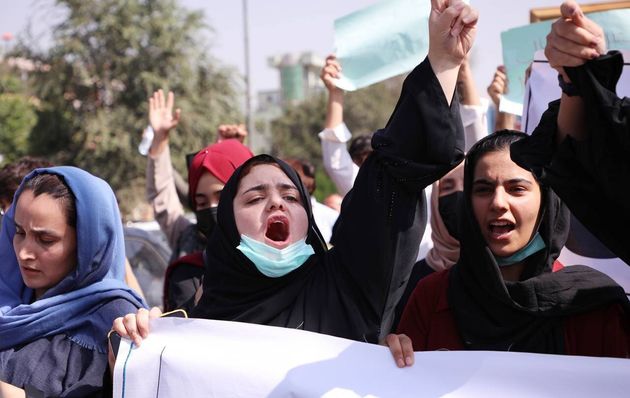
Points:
[(526, 316), (233, 288)]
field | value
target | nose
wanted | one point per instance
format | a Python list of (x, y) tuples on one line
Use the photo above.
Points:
[(275, 202), (24, 251), (499, 200)]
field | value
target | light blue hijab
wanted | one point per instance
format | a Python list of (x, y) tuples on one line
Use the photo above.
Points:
[(78, 305)]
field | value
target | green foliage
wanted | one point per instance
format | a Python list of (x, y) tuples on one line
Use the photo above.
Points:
[(17, 117), (294, 134), (107, 58)]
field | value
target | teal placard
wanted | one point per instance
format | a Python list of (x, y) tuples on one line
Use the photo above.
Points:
[(381, 41), (520, 45)]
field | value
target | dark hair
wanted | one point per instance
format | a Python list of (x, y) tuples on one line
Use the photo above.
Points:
[(56, 187), (360, 147), (494, 142), (260, 159), (12, 174), (306, 171)]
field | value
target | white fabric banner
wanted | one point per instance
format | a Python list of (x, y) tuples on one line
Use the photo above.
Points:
[(202, 358)]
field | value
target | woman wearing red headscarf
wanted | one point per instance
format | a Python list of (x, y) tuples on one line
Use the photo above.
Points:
[(209, 170)]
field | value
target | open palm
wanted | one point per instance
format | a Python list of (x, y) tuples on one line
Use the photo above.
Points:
[(161, 114)]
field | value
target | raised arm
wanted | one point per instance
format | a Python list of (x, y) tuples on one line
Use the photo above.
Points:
[(335, 136), (384, 215), (161, 191), (574, 39)]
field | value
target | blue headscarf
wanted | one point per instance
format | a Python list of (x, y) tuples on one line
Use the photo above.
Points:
[(78, 305)]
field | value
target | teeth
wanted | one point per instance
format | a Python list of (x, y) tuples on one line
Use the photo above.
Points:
[(500, 223)]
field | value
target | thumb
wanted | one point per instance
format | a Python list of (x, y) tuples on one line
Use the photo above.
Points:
[(571, 10)]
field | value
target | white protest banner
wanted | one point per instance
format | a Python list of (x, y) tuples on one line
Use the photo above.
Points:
[(202, 358)]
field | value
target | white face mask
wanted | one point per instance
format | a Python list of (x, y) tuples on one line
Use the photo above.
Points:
[(273, 262)]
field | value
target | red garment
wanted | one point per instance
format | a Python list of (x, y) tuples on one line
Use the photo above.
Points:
[(220, 159), (430, 324)]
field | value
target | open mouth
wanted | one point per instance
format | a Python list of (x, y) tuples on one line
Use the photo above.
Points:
[(277, 229), (500, 228)]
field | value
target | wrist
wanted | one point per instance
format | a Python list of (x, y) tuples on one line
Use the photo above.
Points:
[(567, 87)]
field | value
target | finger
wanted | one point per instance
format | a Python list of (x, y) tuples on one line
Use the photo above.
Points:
[(569, 8), (569, 31), (438, 5), (558, 58), (470, 16), (395, 348), (151, 104), (142, 322), (501, 68), (119, 327), (155, 312), (177, 115), (170, 101), (571, 47), (160, 96), (129, 323), (407, 349), (500, 75)]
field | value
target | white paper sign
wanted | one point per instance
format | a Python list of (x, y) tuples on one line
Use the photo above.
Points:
[(202, 358)]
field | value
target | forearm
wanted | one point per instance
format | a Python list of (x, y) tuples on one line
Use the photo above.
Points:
[(571, 119), (162, 195), (466, 86), (334, 109), (447, 76)]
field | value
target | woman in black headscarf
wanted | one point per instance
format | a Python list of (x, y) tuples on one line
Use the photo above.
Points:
[(266, 261), (503, 294)]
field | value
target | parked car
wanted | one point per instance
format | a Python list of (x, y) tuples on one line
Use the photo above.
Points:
[(148, 253)]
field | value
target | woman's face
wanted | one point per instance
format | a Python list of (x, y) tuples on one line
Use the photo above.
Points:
[(452, 182), (506, 201), (268, 207), (208, 191), (45, 245)]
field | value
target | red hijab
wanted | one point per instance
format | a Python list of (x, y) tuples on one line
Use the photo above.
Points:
[(220, 159)]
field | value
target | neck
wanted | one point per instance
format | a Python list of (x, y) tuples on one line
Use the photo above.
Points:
[(512, 273), (37, 293)]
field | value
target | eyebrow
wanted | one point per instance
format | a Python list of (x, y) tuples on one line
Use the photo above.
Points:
[(264, 187), (40, 231), (483, 181)]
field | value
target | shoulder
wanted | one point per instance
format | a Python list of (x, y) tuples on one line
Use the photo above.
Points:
[(116, 307), (431, 291), (54, 365)]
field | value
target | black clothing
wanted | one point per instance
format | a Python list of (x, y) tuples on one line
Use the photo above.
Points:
[(351, 290), (590, 176), (528, 315), (420, 270)]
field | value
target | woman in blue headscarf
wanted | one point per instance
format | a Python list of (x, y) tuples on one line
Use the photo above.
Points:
[(62, 259)]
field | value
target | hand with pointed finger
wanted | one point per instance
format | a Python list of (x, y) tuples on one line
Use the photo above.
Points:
[(136, 326), (452, 30), (574, 39), (401, 348)]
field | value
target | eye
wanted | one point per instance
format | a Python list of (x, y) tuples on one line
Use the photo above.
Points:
[(254, 200), (19, 231), (291, 198), (518, 189), (47, 241), (482, 190)]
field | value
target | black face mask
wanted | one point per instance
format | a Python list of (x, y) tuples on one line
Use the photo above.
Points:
[(206, 220), (448, 206)]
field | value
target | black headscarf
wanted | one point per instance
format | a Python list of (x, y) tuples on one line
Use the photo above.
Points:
[(233, 287), (526, 316)]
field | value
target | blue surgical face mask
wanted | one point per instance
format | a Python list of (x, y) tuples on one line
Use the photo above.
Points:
[(534, 246), (273, 262)]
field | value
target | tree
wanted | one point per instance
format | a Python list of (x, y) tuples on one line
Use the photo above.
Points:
[(17, 116), (107, 58), (294, 134)]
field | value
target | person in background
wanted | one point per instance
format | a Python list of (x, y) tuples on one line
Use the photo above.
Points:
[(209, 169), (11, 176), (496, 89), (324, 216), (334, 201), (62, 260)]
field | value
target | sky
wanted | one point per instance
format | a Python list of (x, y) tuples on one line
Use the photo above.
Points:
[(280, 26)]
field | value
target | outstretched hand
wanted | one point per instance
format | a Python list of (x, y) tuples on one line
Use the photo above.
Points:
[(161, 114), (574, 39), (498, 86), (452, 30)]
